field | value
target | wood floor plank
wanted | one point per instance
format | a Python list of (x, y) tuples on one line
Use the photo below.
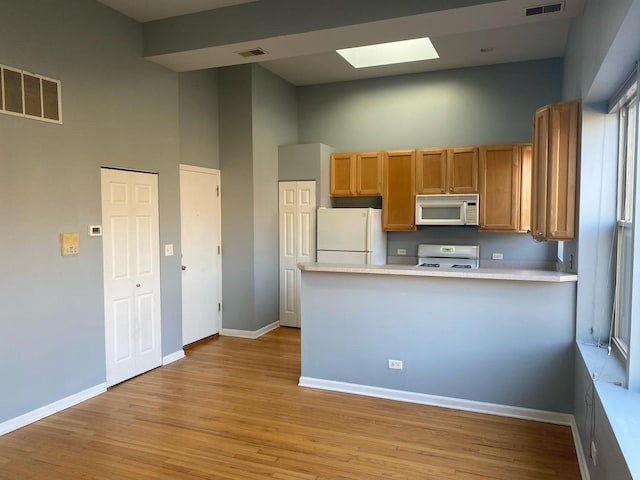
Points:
[(232, 410)]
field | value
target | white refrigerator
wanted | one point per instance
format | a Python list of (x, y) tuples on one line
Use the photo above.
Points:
[(352, 236)]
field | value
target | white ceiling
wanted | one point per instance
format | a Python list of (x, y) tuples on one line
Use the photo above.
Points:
[(310, 58)]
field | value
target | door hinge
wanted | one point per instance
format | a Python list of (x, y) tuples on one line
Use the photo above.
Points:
[(219, 307), (219, 250), (217, 190)]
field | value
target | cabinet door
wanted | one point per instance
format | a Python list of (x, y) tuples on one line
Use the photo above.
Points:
[(499, 188), (539, 174), (462, 170), (343, 174), (431, 170), (398, 200), (369, 173), (525, 188), (563, 154)]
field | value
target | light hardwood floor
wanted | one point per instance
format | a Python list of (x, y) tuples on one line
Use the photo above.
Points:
[(232, 410)]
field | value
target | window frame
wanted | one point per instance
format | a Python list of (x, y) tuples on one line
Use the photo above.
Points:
[(628, 122)]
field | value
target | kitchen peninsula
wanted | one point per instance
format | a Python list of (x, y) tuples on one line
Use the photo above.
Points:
[(489, 337)]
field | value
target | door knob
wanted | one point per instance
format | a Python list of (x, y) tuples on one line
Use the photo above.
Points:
[(183, 267), (138, 285)]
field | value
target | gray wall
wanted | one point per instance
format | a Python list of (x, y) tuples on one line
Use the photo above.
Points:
[(603, 45), (515, 247), (119, 110), (309, 161), (501, 344), (236, 162), (257, 114), (274, 123), (198, 107), (482, 105)]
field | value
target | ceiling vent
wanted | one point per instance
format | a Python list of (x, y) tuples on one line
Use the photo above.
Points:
[(543, 9), (254, 52)]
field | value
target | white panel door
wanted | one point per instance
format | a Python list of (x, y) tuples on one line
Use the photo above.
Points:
[(297, 226), (131, 259), (201, 240)]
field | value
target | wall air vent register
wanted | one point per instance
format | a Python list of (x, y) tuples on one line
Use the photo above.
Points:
[(255, 52), (542, 9), (30, 95)]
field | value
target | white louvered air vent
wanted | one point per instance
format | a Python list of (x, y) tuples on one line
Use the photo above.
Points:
[(254, 52), (542, 9)]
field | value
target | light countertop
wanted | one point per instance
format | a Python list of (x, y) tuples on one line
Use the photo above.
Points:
[(526, 275)]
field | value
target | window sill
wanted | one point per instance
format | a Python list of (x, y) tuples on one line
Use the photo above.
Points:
[(621, 406)]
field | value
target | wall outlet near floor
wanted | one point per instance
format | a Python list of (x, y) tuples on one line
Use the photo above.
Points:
[(401, 251), (395, 364), (496, 256)]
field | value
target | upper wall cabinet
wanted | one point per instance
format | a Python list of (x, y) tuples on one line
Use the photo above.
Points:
[(356, 174), (505, 192), (554, 164), (447, 170), (398, 199)]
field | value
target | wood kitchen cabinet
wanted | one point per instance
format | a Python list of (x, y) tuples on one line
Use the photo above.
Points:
[(447, 170), (505, 194), (356, 174), (499, 188), (554, 167), (398, 198)]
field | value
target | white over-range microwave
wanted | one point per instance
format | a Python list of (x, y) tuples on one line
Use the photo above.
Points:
[(447, 209)]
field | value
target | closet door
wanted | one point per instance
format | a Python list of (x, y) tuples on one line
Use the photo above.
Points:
[(131, 273), (297, 243)]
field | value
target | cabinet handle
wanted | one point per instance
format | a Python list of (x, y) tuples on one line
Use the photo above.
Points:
[(451, 189), (551, 234), (539, 233)]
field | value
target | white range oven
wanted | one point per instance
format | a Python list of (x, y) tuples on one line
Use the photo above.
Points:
[(449, 257)]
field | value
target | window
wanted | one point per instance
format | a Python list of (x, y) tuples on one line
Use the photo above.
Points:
[(627, 154)]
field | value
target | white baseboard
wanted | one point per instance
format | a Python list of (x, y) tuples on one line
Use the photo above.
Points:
[(582, 458), (173, 357), (437, 401), (229, 332), (55, 407)]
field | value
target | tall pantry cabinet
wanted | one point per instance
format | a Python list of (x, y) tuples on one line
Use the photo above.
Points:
[(555, 162)]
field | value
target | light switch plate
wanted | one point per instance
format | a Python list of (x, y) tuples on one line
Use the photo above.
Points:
[(496, 256), (168, 250), (69, 244)]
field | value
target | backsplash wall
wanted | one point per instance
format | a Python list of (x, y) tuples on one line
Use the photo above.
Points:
[(515, 247)]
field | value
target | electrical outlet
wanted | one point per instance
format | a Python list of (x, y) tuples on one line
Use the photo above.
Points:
[(395, 364), (402, 251), (496, 256), (593, 452)]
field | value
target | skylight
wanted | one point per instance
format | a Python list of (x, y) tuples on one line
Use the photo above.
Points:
[(389, 53)]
